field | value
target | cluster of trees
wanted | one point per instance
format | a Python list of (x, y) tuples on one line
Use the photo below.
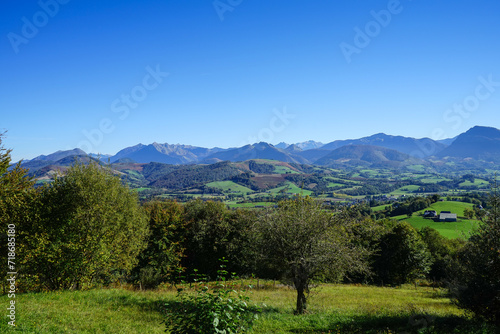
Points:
[(86, 229), (260, 168), (186, 176)]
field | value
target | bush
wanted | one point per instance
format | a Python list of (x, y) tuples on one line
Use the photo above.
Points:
[(221, 309)]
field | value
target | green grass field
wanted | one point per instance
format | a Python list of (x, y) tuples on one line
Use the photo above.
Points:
[(284, 170), (434, 179), (451, 230), (477, 182), (250, 205), (404, 190), (335, 185), (290, 187), (331, 309), (454, 207), (416, 168), (379, 207), (457, 229), (227, 186)]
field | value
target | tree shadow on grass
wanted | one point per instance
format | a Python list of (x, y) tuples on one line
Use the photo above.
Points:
[(405, 324)]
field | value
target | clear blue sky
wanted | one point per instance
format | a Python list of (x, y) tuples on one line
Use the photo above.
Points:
[(343, 69)]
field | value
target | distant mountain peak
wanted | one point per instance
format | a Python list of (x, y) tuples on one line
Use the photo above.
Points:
[(419, 148), (486, 131), (364, 154), (479, 142), (293, 148), (59, 155), (282, 145)]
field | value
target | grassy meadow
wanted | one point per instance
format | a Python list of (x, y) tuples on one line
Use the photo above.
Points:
[(459, 229), (331, 309)]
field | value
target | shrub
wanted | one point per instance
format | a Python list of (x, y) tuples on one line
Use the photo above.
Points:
[(220, 309)]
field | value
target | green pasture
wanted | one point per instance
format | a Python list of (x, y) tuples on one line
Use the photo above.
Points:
[(250, 205), (290, 187), (433, 179), (229, 186), (284, 170), (477, 182), (404, 190), (459, 229), (331, 309)]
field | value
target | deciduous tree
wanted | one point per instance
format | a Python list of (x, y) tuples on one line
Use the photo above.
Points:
[(403, 256), (165, 243), (88, 227), (303, 242)]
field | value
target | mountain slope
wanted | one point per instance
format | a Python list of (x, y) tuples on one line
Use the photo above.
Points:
[(479, 142), (164, 153), (45, 163), (257, 151), (365, 155), (419, 148), (59, 155)]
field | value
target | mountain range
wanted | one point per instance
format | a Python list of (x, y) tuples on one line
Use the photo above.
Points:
[(479, 143)]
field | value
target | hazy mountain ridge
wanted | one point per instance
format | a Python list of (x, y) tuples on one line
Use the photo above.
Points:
[(257, 151), (481, 143), (165, 153), (366, 155), (420, 148)]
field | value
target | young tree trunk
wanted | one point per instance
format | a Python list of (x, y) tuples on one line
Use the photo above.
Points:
[(301, 300), (301, 284)]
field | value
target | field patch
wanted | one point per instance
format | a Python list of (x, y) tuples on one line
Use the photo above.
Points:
[(267, 181), (229, 186), (405, 190), (477, 183), (291, 188), (459, 229), (433, 179)]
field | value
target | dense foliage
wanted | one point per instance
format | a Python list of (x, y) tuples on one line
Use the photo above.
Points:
[(16, 194), (303, 241), (477, 286), (196, 175), (403, 256), (165, 244), (86, 227)]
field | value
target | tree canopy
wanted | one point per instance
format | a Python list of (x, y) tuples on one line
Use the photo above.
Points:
[(303, 242), (87, 227)]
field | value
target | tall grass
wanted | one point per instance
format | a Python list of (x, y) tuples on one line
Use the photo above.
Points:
[(331, 309)]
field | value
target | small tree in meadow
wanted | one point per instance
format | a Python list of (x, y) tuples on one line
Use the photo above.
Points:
[(303, 241)]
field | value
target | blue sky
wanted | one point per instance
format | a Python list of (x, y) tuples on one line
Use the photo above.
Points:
[(105, 75)]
